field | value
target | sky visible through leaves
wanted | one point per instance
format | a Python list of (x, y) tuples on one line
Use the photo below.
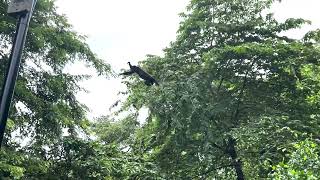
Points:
[(126, 30)]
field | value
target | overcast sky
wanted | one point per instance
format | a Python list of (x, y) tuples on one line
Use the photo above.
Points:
[(126, 30)]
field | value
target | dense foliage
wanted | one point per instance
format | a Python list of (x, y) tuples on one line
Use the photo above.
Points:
[(303, 163), (236, 100), (44, 104), (234, 93)]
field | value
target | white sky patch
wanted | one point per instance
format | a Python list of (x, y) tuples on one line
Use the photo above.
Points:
[(120, 31), (125, 30), (306, 9)]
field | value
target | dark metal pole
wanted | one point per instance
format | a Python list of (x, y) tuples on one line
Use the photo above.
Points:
[(12, 72)]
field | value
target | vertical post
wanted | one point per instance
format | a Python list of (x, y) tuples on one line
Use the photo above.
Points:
[(23, 10)]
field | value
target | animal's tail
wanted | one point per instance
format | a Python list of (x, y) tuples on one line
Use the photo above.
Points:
[(127, 73)]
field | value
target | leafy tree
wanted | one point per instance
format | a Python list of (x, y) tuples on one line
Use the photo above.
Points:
[(234, 96), (44, 104), (118, 133), (126, 163), (233, 93), (303, 163)]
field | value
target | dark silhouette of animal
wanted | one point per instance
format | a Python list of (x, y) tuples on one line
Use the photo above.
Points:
[(148, 79)]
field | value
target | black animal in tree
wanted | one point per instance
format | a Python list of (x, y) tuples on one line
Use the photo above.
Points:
[(148, 79)]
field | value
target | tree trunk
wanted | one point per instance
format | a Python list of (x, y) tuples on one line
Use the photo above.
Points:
[(231, 151)]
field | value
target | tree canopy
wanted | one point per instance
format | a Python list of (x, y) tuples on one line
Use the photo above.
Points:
[(237, 100), (44, 104), (234, 93)]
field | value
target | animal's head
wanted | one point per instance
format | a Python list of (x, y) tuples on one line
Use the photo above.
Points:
[(129, 64)]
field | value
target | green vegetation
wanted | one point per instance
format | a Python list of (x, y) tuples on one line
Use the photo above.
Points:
[(236, 101)]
